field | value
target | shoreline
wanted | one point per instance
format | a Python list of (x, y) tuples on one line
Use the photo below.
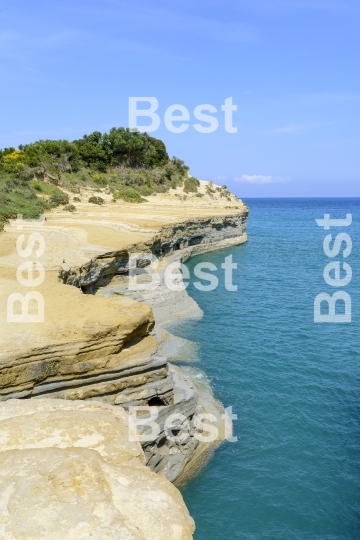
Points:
[(109, 345), (167, 307)]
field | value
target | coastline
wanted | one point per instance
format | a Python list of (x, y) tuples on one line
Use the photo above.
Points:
[(133, 368), (167, 307)]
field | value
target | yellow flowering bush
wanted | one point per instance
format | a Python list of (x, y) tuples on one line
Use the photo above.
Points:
[(14, 161)]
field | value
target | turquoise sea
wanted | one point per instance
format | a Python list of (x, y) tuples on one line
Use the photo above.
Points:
[(294, 473)]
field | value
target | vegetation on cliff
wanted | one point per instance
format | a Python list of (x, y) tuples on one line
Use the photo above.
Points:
[(130, 165), (191, 185)]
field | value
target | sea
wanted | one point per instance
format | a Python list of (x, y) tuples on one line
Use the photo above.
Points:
[(294, 384)]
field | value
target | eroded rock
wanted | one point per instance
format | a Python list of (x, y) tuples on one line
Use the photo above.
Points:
[(68, 471)]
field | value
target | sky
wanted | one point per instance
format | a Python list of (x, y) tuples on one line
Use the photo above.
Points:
[(291, 66)]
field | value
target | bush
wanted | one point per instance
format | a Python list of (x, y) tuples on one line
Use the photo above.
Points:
[(96, 200), (129, 194), (26, 173), (37, 186), (100, 180), (58, 198), (145, 190), (25, 203), (69, 208), (210, 189), (131, 165), (76, 199), (191, 185)]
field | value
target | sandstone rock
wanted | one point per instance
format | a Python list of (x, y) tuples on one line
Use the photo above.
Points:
[(97, 347), (81, 336), (69, 472), (42, 423)]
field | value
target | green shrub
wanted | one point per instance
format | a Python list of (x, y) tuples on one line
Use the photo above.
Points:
[(69, 208), (25, 203), (84, 176), (100, 180), (131, 165), (145, 190), (191, 185), (26, 173), (58, 198), (96, 200), (76, 199), (129, 194), (210, 189), (37, 186)]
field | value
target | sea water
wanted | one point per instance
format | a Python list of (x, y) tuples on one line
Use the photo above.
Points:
[(294, 473)]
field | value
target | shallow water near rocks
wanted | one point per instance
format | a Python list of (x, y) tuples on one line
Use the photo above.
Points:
[(294, 473)]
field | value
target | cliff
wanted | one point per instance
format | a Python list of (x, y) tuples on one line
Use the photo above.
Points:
[(98, 342)]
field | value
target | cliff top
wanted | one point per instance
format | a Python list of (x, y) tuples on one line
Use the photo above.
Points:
[(91, 229), (74, 238)]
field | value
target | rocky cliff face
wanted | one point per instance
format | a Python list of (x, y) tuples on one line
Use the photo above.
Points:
[(99, 354), (116, 358), (170, 391), (190, 237), (56, 358)]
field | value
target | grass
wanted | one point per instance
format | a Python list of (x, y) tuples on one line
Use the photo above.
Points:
[(43, 188)]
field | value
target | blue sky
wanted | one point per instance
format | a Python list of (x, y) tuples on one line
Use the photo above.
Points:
[(291, 66)]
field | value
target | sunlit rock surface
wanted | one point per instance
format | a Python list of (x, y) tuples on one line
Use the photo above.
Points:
[(69, 471), (67, 467)]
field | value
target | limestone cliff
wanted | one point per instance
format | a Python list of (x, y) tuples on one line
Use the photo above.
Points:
[(107, 276), (102, 346)]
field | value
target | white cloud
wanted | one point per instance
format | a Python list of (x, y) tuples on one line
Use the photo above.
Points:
[(260, 179), (221, 178)]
